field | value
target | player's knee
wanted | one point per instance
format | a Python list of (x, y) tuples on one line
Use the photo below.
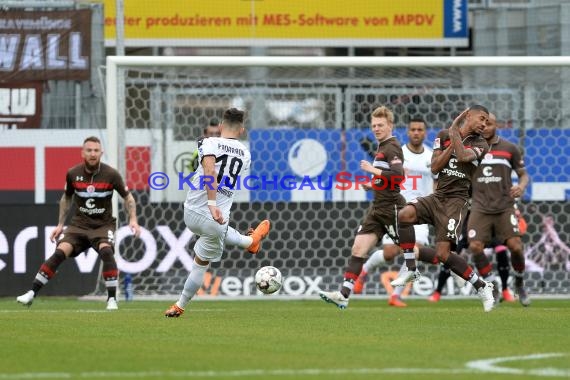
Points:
[(107, 253), (201, 263), (390, 252), (65, 248), (515, 245), (442, 250), (359, 250), (500, 248), (442, 256), (407, 214), (476, 246)]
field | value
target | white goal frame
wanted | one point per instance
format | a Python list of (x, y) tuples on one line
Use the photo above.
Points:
[(115, 63)]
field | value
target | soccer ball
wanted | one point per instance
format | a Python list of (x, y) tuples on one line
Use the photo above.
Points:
[(268, 279)]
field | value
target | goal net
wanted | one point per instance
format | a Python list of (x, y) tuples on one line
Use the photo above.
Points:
[(308, 121)]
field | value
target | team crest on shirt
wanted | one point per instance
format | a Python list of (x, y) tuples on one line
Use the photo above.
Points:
[(488, 156), (90, 189), (471, 233)]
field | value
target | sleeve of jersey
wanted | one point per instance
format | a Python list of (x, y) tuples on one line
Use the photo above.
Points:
[(207, 147), (438, 142), (517, 160), (69, 190), (433, 176), (120, 186), (395, 164)]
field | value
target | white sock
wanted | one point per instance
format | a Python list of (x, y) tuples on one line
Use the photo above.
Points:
[(399, 289), (374, 261), (193, 283), (235, 238)]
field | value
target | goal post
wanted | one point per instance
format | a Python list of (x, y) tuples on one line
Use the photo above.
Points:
[(308, 119)]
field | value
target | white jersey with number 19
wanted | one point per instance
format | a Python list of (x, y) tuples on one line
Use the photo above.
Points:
[(232, 159)]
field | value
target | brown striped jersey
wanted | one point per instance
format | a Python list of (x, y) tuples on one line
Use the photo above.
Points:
[(454, 180), (389, 158), (93, 193), (492, 180)]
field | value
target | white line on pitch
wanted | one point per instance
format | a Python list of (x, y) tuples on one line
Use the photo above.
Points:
[(39, 311), (490, 365), (486, 366)]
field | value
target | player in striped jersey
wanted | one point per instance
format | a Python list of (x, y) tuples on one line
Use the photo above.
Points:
[(493, 213), (419, 182), (90, 185), (387, 173), (457, 153)]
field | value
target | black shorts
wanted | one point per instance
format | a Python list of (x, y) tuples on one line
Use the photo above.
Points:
[(83, 239), (382, 220)]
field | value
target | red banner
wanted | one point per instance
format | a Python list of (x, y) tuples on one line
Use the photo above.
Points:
[(45, 45), (21, 105)]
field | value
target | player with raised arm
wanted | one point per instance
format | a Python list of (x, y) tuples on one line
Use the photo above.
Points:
[(387, 174), (419, 182), (457, 153), (493, 214), (208, 204), (90, 186)]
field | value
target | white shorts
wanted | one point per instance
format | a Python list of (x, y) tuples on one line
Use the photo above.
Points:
[(210, 244), (422, 235)]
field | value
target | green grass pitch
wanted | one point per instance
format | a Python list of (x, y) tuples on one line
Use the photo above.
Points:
[(276, 339)]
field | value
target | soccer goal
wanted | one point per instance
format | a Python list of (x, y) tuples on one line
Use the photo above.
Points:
[(308, 121)]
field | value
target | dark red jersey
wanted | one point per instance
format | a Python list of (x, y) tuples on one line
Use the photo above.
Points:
[(492, 180), (389, 158), (454, 180), (93, 193)]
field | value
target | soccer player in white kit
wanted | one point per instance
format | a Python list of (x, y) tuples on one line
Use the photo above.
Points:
[(207, 207), (419, 182)]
